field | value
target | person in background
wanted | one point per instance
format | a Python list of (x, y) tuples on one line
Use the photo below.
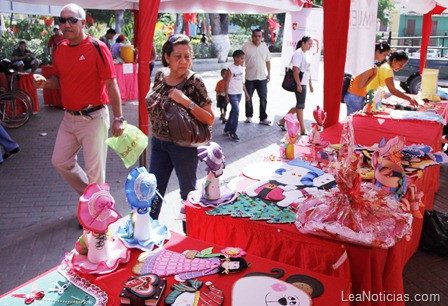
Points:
[(84, 71), (152, 60), (117, 46), (177, 53), (234, 90), (9, 145), (23, 59), (258, 74), (220, 89), (55, 40), (108, 37), (385, 76), (300, 62), (203, 39), (355, 97)]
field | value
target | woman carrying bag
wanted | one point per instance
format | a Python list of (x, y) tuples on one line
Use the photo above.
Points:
[(176, 88), (300, 62)]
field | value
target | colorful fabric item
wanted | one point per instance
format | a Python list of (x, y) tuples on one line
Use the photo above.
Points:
[(164, 262)]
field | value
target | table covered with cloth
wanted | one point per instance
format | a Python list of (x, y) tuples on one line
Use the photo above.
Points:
[(127, 79), (51, 96), (336, 290), (372, 270), (26, 82)]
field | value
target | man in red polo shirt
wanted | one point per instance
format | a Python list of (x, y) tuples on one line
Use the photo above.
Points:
[(85, 73)]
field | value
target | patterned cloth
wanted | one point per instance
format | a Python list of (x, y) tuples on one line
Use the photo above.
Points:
[(165, 262)]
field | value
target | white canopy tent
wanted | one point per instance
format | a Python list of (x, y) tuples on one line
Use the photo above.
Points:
[(336, 22)]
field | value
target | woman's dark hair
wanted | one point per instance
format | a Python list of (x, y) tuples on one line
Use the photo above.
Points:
[(398, 56), (242, 261), (168, 46), (382, 46), (303, 40)]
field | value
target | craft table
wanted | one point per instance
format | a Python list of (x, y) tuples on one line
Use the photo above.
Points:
[(26, 82), (127, 80), (336, 290), (51, 96), (371, 270)]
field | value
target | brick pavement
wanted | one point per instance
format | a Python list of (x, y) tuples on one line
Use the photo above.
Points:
[(38, 209)]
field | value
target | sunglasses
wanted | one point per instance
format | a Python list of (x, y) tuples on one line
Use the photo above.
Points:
[(175, 37), (71, 20)]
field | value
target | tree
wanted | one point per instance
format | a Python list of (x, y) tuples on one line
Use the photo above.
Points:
[(220, 37), (385, 7)]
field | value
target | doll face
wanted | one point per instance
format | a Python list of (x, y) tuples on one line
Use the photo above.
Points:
[(231, 265)]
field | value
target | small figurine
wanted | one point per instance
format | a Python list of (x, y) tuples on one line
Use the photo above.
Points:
[(212, 193), (291, 137), (95, 252), (141, 231), (320, 116)]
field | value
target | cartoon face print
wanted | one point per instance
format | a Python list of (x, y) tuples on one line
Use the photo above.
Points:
[(268, 291), (324, 179), (290, 175)]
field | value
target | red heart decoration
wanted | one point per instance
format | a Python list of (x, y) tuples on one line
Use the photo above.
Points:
[(143, 286)]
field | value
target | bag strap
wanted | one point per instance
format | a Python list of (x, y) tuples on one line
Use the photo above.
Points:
[(181, 85), (97, 47)]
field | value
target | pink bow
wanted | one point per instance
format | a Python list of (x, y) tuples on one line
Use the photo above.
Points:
[(29, 298)]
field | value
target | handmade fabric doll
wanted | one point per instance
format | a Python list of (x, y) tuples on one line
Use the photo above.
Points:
[(212, 193), (95, 252), (141, 231), (164, 262)]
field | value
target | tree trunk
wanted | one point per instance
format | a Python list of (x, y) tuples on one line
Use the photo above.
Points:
[(119, 15), (179, 24), (220, 38)]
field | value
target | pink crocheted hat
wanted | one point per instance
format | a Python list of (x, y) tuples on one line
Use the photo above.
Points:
[(96, 208)]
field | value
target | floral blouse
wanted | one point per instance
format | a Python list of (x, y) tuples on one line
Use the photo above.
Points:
[(194, 88)]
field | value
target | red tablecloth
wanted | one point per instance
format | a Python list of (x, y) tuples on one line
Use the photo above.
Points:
[(369, 129), (127, 80), (26, 82), (336, 290), (51, 96), (371, 270)]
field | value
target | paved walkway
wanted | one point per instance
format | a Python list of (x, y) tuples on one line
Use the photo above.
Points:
[(38, 209)]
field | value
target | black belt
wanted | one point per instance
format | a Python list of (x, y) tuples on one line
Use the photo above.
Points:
[(85, 112)]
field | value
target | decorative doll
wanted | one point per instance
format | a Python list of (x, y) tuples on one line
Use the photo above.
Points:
[(320, 116), (164, 262), (212, 193), (291, 137), (95, 252), (141, 231)]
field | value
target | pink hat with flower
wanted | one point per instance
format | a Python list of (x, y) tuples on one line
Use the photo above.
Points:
[(96, 208)]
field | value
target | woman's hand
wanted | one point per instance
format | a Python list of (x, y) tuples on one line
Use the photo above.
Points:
[(299, 87), (311, 87), (413, 102), (177, 95)]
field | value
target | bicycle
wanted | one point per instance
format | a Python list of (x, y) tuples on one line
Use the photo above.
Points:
[(16, 104)]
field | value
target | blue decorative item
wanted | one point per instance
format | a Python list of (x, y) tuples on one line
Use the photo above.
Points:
[(141, 231)]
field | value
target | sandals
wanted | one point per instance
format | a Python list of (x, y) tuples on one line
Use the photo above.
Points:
[(281, 126)]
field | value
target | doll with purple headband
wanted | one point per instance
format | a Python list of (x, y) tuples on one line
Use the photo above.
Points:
[(212, 192)]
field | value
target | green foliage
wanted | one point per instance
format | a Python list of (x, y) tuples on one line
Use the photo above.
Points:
[(385, 7), (246, 21)]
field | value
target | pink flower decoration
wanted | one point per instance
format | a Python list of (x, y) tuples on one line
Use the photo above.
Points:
[(233, 252)]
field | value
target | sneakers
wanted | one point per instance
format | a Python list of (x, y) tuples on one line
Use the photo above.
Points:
[(11, 153), (226, 133), (234, 137), (248, 120), (265, 122)]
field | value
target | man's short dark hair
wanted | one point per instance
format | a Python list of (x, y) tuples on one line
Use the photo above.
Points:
[(22, 42), (111, 31)]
